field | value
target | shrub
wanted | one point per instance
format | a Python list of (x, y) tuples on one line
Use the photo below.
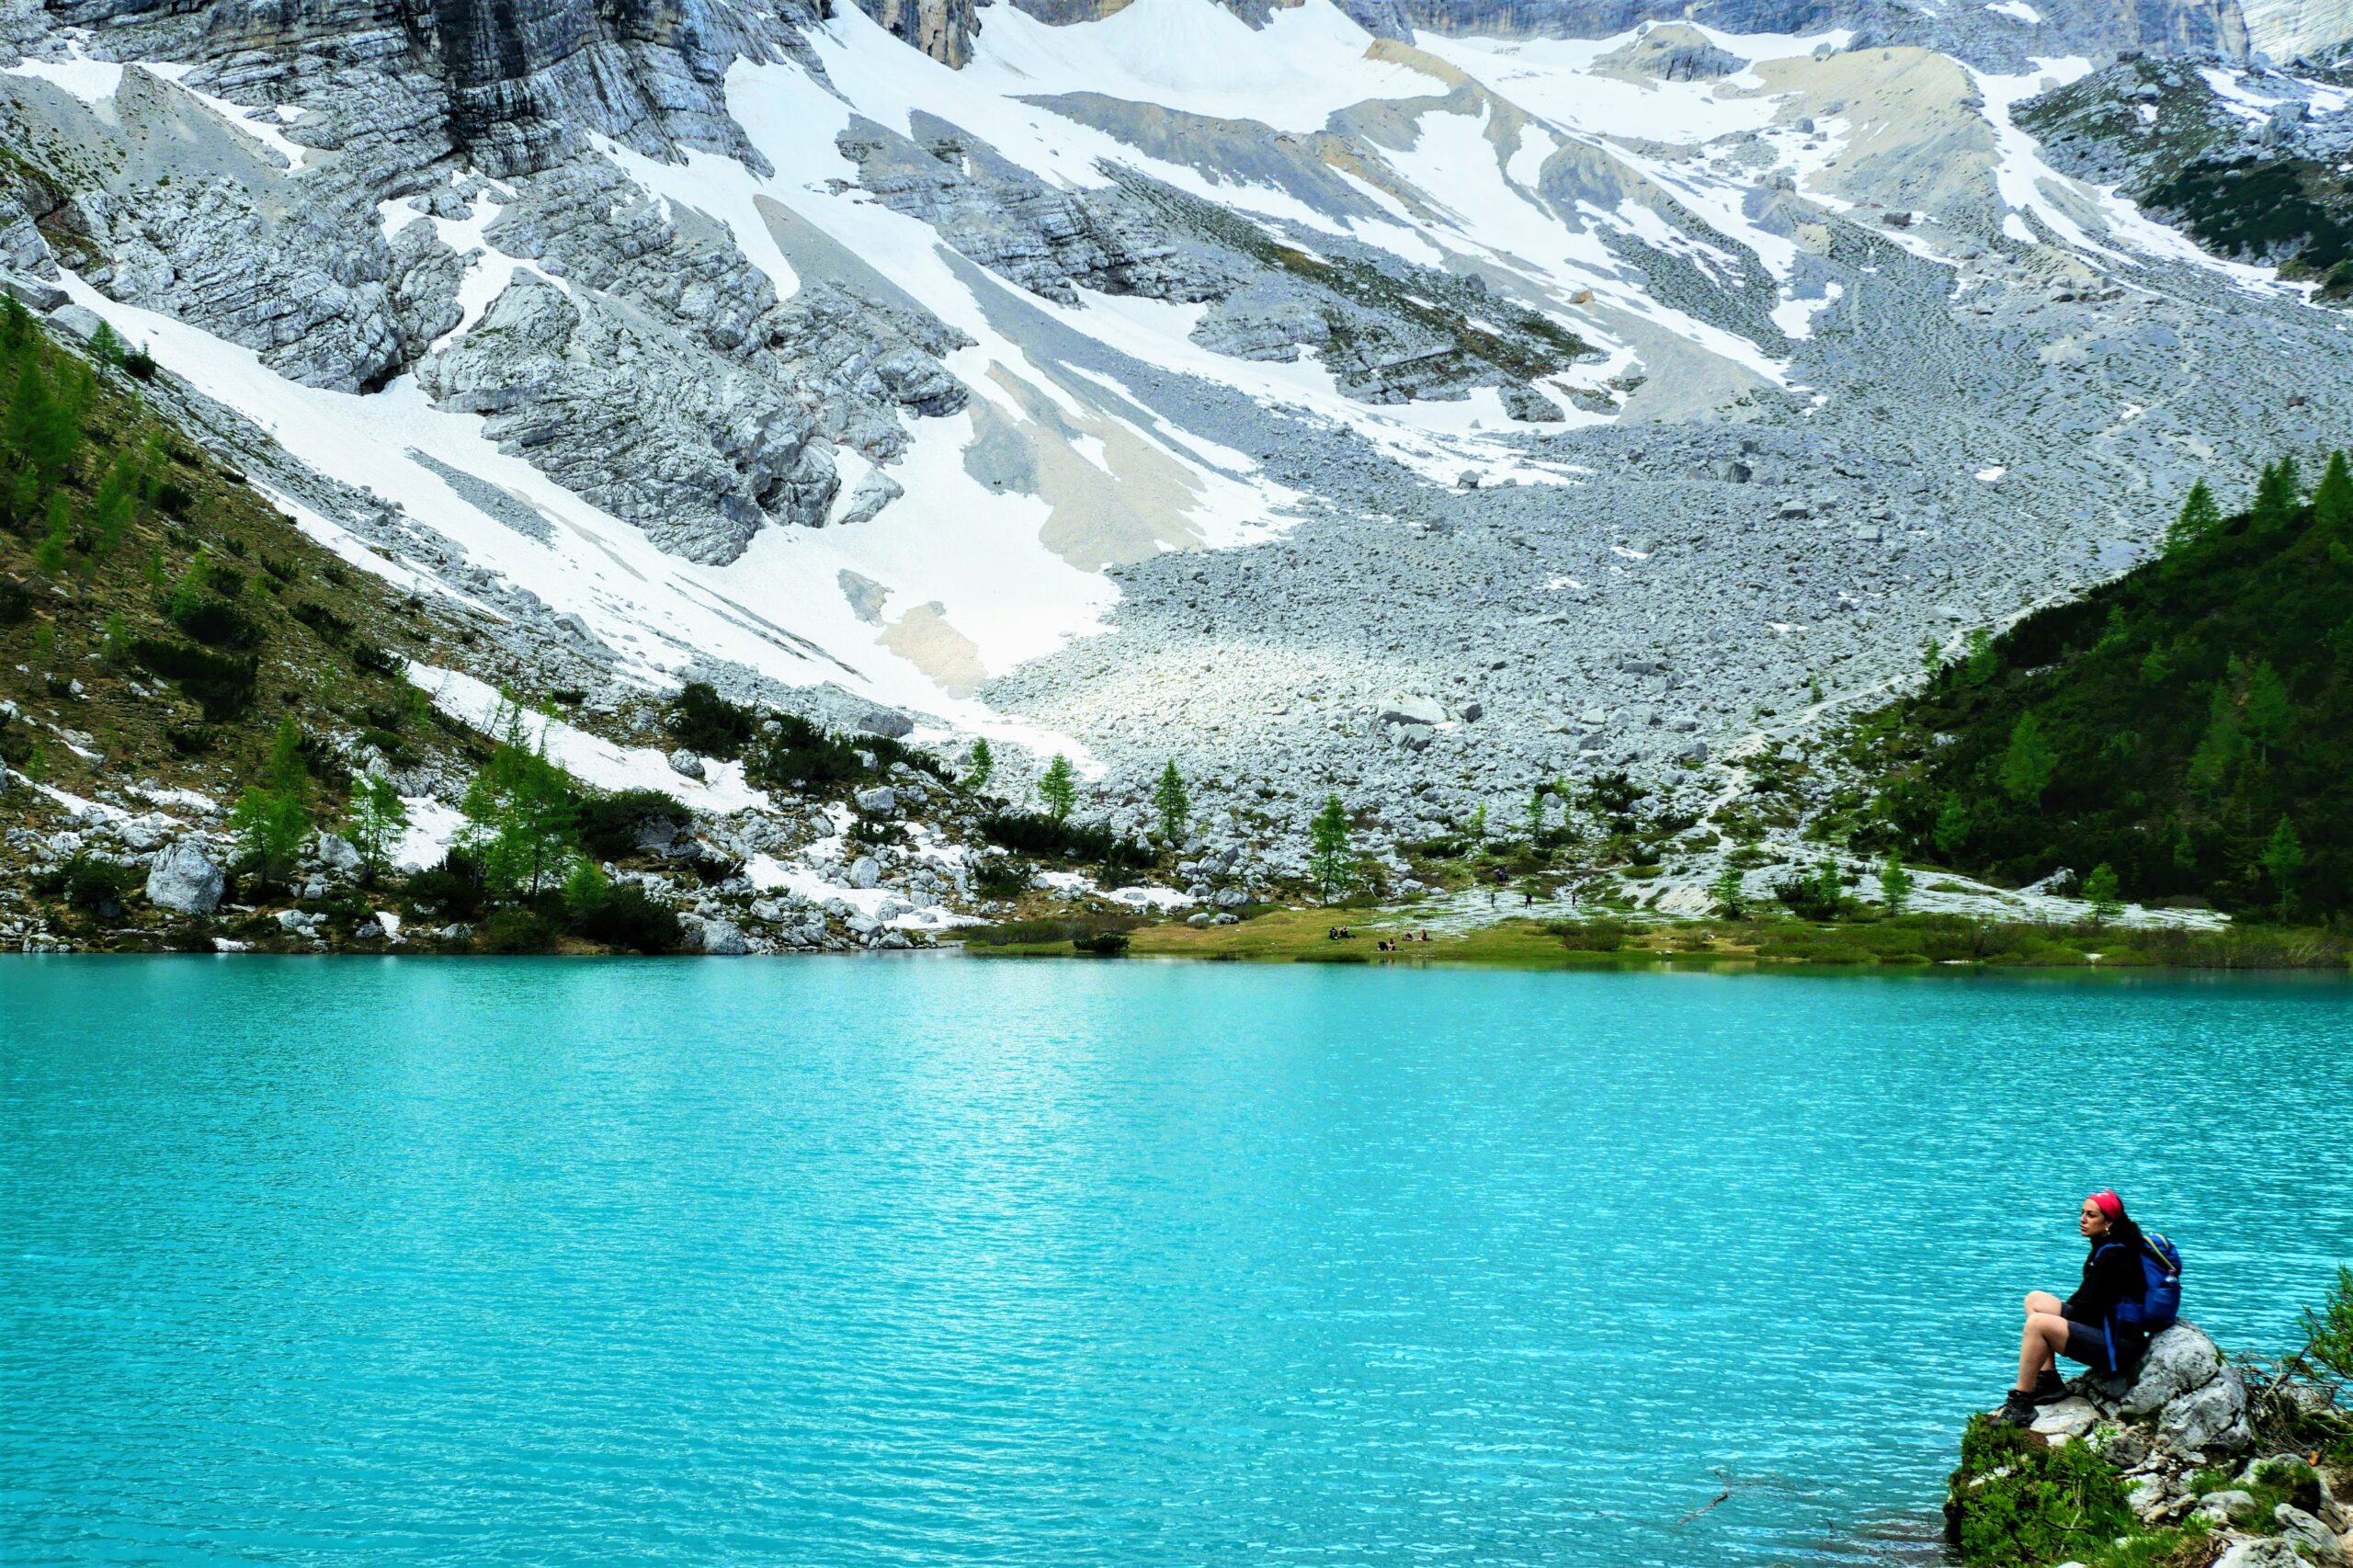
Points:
[(1035, 833), (216, 622), (1102, 943), (455, 885), (701, 719), (331, 627), (513, 931), (1078, 933), (798, 753), (2017, 1503), (222, 684), (608, 825), (628, 918), (1001, 875)]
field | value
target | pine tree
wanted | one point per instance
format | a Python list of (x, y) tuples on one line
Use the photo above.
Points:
[(2200, 516), (1479, 821), (1170, 800), (1059, 788), (1894, 883), (2218, 751), (1536, 814), (2283, 857), (519, 813), (2333, 496), (2271, 717), (376, 820), (2103, 893), (40, 428), (1730, 890), (1952, 830), (983, 763), (2277, 495), (114, 640), (1982, 661), (1328, 861), (1932, 658), (2028, 764), (105, 346)]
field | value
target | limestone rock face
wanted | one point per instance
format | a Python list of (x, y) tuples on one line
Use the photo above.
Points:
[(182, 879), (941, 28), (620, 410)]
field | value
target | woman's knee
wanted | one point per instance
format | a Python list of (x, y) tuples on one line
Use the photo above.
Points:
[(2050, 1325)]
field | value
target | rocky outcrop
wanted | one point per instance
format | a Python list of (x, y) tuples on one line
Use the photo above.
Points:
[(616, 408), (2173, 1440), (1050, 242)]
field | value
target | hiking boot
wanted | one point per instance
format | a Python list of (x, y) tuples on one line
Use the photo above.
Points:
[(2017, 1410), (2049, 1388)]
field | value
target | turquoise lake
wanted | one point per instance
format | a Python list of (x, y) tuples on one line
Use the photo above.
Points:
[(852, 1262)]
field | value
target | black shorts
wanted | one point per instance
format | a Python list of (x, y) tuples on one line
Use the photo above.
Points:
[(2089, 1342)]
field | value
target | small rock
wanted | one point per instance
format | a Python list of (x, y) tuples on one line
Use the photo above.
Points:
[(2221, 1507), (865, 872), (686, 764), (2316, 1540), (1203, 919), (1407, 708), (2067, 1418), (879, 801)]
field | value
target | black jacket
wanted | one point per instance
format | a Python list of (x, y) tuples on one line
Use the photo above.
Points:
[(2112, 1273)]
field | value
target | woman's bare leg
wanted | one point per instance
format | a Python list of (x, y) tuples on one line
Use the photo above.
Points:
[(2042, 1301), (2039, 1347)]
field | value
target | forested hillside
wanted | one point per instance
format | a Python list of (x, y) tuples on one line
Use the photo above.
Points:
[(2188, 726)]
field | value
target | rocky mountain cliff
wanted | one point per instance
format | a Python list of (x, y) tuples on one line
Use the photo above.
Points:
[(1414, 401)]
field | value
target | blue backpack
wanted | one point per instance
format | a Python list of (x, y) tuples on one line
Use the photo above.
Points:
[(2160, 1301)]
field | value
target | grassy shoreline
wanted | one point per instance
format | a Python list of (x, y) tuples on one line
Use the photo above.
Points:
[(1916, 942)]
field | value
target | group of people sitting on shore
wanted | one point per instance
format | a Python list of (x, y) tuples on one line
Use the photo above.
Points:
[(1386, 944)]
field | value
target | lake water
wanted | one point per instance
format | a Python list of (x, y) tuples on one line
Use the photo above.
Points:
[(869, 1262)]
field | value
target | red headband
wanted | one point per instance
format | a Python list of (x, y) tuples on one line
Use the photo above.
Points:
[(2109, 1204)]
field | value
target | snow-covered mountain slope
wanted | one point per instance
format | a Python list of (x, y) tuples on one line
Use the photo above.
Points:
[(1428, 412)]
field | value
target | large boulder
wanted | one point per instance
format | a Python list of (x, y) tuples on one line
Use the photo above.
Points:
[(717, 938), (336, 853), (183, 880), (2212, 1417), (2178, 1361)]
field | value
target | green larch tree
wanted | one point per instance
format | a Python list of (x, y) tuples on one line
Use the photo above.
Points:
[(1059, 788), (2200, 516), (1328, 858), (1171, 802), (2283, 857), (2027, 767), (2104, 893)]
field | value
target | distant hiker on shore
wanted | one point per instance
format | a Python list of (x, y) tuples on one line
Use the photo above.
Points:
[(2131, 1290)]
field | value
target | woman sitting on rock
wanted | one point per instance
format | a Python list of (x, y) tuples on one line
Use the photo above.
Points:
[(2085, 1326)]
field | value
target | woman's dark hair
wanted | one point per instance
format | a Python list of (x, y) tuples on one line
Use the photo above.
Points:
[(2120, 1229)]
